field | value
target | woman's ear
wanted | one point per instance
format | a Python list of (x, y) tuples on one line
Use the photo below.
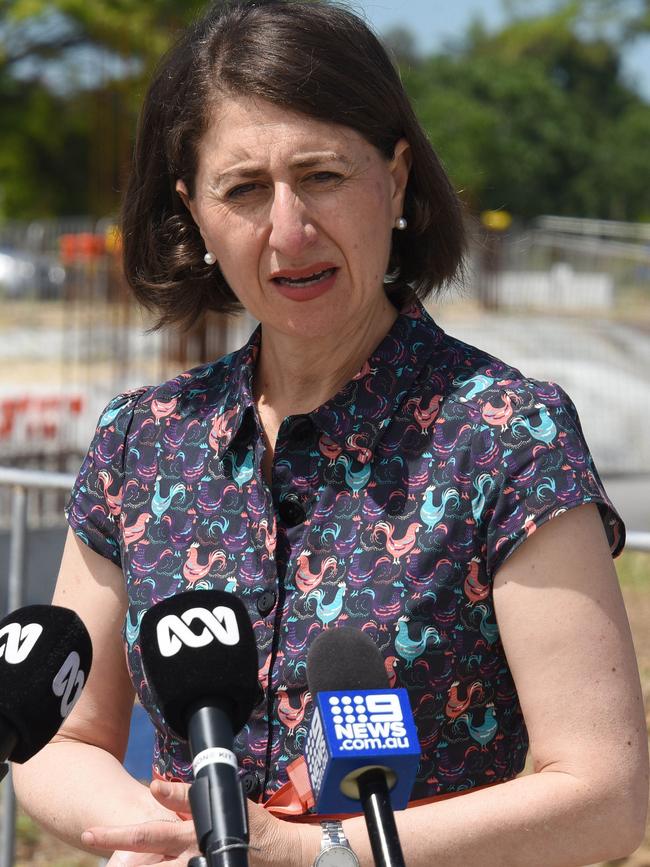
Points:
[(400, 167), (183, 192)]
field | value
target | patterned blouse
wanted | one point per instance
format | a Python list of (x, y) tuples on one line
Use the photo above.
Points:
[(390, 510)]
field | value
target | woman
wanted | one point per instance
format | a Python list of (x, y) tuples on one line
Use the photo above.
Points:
[(352, 464)]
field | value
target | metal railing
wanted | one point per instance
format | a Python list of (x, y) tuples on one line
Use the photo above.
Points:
[(637, 541), (21, 481)]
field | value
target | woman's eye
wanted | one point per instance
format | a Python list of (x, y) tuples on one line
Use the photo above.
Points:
[(241, 190), (323, 177)]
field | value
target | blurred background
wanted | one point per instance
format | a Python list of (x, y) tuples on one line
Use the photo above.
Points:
[(540, 112)]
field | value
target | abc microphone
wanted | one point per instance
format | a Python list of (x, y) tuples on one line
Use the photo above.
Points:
[(200, 660), (362, 744), (45, 658)]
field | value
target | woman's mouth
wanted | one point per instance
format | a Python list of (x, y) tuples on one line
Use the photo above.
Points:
[(307, 283), (308, 280)]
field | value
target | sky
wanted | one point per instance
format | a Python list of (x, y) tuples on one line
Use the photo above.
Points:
[(436, 22)]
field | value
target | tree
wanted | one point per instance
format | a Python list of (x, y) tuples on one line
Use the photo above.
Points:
[(50, 29), (535, 118), (71, 77), (529, 118)]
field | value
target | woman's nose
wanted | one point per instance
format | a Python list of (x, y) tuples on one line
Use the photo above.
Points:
[(291, 227)]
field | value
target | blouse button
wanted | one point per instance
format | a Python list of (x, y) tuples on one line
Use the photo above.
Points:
[(291, 512), (252, 785), (266, 602), (302, 432)]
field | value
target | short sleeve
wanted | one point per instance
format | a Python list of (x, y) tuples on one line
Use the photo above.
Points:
[(95, 504), (546, 469)]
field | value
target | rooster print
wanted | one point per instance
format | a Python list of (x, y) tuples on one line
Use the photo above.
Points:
[(411, 486)]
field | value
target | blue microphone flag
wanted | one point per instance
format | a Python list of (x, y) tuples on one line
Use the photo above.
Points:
[(355, 730)]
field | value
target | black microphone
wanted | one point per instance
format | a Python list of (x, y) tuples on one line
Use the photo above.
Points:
[(45, 658), (200, 659), (363, 742)]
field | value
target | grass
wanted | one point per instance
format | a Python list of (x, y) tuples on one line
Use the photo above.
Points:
[(633, 568)]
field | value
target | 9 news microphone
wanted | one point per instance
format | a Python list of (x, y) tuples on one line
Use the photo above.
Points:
[(45, 658), (200, 660), (362, 744)]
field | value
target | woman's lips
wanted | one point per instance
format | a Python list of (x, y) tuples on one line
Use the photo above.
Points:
[(306, 284)]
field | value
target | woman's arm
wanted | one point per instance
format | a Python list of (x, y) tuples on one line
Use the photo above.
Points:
[(567, 639), (78, 780), (565, 631)]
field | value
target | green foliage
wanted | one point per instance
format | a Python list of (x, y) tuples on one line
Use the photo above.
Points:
[(65, 145), (535, 118), (505, 132), (127, 27), (633, 568), (44, 152), (27, 830)]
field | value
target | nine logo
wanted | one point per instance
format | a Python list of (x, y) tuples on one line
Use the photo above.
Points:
[(68, 683), (316, 752), (368, 722), (17, 642), (173, 631)]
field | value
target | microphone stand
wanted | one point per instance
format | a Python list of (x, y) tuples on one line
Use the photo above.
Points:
[(216, 795), (380, 820)]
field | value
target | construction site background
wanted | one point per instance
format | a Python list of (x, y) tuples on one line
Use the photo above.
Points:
[(562, 299)]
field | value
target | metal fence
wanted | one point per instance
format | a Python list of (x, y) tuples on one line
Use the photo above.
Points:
[(561, 299), (19, 483), (569, 300)]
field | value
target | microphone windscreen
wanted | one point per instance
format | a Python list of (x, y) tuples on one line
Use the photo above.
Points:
[(45, 658), (199, 647), (345, 659)]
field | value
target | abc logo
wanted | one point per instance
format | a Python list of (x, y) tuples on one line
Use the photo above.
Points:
[(68, 683), (17, 642), (174, 632)]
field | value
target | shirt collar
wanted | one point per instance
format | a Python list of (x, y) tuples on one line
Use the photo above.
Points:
[(238, 404), (355, 418)]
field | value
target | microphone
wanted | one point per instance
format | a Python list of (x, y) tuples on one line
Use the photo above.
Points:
[(362, 744), (200, 659), (45, 658)]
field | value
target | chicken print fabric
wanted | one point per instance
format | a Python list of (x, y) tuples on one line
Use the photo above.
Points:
[(390, 510)]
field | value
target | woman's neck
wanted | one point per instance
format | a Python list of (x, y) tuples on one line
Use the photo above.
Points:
[(297, 374)]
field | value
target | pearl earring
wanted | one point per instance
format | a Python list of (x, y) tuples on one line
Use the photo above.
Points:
[(209, 258), (401, 223)]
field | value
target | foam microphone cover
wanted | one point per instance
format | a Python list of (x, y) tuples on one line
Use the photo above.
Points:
[(40, 676), (198, 647), (345, 659)]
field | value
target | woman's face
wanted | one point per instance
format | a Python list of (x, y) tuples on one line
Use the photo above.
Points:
[(299, 214)]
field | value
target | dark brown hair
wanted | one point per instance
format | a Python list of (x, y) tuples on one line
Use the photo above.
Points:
[(310, 57)]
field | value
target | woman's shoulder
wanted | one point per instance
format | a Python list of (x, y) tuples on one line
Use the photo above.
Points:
[(213, 379), (201, 389), (476, 378), (117, 413)]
